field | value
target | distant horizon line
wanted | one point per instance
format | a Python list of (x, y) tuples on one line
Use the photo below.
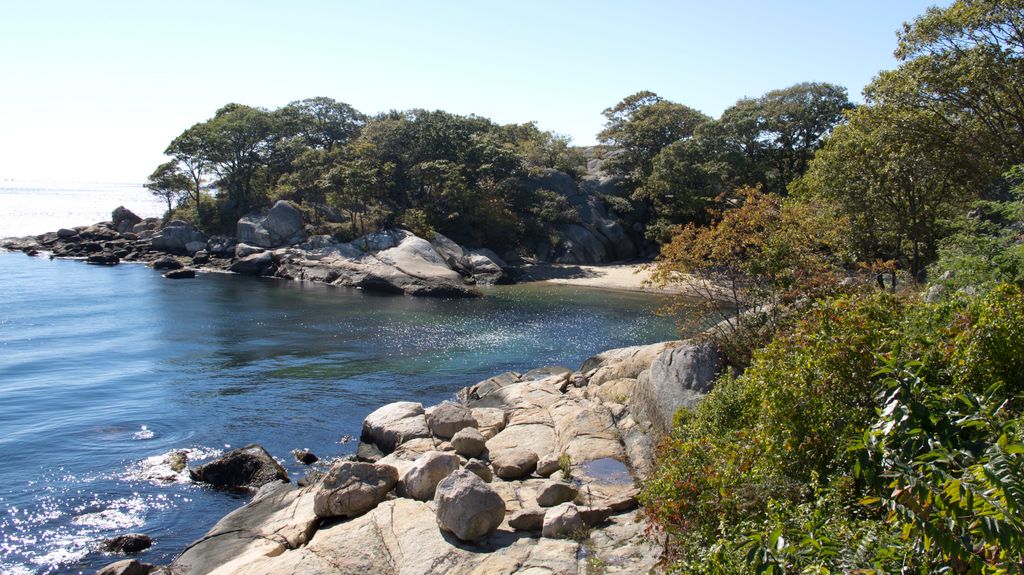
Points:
[(7, 182)]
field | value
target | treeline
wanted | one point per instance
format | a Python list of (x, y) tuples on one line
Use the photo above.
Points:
[(463, 176), (864, 425)]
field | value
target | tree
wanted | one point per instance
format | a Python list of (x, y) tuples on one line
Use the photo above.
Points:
[(642, 125), (169, 183), (240, 143), (964, 65), (898, 175), (191, 151), (322, 123)]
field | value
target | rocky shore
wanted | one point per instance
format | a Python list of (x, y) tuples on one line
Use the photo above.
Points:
[(523, 473), (277, 243)]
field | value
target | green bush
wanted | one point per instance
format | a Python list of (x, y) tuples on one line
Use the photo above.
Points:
[(789, 467)]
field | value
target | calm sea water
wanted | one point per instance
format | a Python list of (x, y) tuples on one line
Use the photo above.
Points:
[(29, 208), (104, 371)]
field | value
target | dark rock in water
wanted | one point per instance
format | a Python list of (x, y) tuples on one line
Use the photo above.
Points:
[(167, 263), (201, 257), (254, 265), (129, 543), (103, 259), (247, 467), (126, 567), (184, 273), (32, 252), (305, 456), (124, 220), (178, 461)]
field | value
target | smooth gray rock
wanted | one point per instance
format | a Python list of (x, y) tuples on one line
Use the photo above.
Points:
[(281, 226), (123, 219), (527, 519), (468, 507), (175, 236), (421, 479), (562, 522), (245, 250), (126, 567), (254, 265), (469, 442), (249, 467), (513, 463), (394, 424), (351, 488), (448, 418), (480, 469), (678, 377), (554, 492)]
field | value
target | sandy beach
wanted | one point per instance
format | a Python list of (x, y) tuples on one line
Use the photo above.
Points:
[(625, 277)]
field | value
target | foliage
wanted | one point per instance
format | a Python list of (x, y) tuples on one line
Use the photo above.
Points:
[(756, 261), (986, 248), (880, 435), (169, 184)]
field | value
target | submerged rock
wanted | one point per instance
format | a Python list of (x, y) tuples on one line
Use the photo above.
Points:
[(183, 273), (247, 467), (103, 259), (128, 543), (305, 456)]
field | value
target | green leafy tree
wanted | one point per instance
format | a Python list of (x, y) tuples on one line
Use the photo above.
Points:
[(192, 151), (169, 183), (322, 123)]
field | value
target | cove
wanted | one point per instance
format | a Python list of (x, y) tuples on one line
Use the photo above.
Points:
[(104, 370)]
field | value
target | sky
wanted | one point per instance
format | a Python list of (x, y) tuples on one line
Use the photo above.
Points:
[(94, 91)]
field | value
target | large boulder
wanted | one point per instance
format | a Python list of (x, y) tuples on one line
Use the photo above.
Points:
[(679, 377), (394, 424), (448, 418), (513, 463), (257, 264), (422, 477), (562, 522), (554, 492), (281, 226), (246, 467), (178, 237), (351, 489), (124, 220), (469, 442), (482, 265), (468, 507)]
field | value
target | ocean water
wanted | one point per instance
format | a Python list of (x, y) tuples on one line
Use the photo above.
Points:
[(106, 371), (29, 208)]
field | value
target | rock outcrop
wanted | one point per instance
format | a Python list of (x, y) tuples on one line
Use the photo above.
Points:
[(282, 225), (246, 467), (351, 489), (179, 237)]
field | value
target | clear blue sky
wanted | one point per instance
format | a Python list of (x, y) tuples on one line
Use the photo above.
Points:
[(94, 91)]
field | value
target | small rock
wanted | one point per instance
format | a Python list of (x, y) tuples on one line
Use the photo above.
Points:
[(166, 263), (554, 492), (65, 233), (368, 453), (128, 543), (448, 418), (594, 516), (305, 456), (126, 567), (182, 274), (103, 259), (468, 507), (249, 467), (352, 488), (468, 442), (421, 479), (548, 465), (531, 519), (481, 469), (562, 522), (178, 461), (513, 463), (625, 502), (578, 380), (312, 477), (201, 257), (245, 250)]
